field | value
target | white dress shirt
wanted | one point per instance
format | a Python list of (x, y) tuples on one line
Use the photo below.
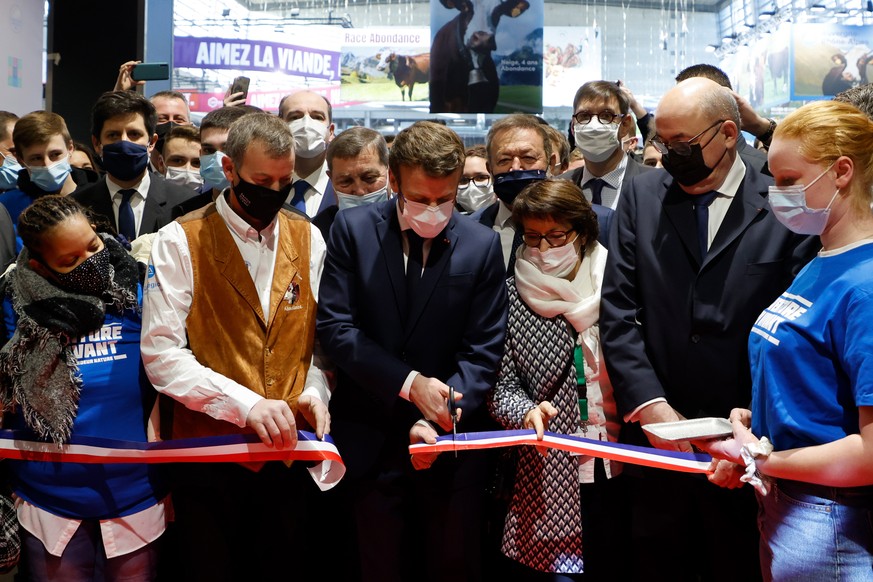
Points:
[(137, 201), (172, 367), (506, 229), (318, 181), (717, 211)]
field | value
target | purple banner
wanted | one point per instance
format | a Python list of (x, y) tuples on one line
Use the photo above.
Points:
[(254, 55)]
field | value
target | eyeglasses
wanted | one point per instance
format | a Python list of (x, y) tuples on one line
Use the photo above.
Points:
[(605, 116), (683, 148), (481, 181), (556, 238)]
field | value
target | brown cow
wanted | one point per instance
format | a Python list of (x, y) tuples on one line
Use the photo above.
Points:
[(407, 70)]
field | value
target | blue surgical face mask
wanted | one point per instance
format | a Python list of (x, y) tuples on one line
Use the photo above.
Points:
[(51, 178), (350, 200), (9, 173), (789, 206), (212, 172)]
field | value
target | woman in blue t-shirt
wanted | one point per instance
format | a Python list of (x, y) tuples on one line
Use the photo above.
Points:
[(72, 369), (811, 354)]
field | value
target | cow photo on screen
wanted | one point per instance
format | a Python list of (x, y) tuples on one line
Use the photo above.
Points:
[(486, 56)]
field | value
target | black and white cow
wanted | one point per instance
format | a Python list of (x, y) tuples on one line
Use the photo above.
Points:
[(463, 77)]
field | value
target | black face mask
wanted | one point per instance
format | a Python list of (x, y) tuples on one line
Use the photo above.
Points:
[(510, 184), (259, 202), (90, 277), (691, 169)]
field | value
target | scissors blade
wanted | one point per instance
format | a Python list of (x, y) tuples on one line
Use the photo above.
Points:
[(453, 412)]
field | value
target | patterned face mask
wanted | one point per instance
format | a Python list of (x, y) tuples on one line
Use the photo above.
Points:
[(90, 277)]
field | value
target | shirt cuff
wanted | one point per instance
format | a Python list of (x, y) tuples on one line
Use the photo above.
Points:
[(313, 391), (244, 400), (407, 385), (634, 415)]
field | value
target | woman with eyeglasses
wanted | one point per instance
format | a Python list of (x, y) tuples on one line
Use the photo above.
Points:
[(552, 377), (808, 438)]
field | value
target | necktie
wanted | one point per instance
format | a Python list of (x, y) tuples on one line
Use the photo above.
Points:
[(126, 220), (301, 187), (517, 241), (701, 214), (596, 185), (414, 263)]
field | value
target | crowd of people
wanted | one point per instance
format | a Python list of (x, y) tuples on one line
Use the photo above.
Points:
[(265, 274)]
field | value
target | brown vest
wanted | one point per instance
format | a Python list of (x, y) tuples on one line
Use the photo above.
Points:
[(227, 331)]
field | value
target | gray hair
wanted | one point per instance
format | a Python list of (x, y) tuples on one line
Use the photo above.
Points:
[(516, 121), (353, 141), (270, 131), (720, 104)]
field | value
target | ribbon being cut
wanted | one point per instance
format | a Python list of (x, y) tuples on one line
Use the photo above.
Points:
[(237, 448), (650, 457)]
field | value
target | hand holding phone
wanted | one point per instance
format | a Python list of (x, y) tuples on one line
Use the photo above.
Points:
[(240, 88), (150, 72)]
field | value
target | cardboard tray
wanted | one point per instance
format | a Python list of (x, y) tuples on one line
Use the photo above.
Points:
[(694, 429)]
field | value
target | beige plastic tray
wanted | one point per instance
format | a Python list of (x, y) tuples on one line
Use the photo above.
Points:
[(694, 429)]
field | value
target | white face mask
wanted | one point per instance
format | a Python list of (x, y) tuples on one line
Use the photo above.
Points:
[(474, 197), (555, 261), (351, 201), (309, 136), (189, 178), (597, 141), (789, 206), (427, 221)]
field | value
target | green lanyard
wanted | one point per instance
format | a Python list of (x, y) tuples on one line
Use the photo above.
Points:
[(581, 391)]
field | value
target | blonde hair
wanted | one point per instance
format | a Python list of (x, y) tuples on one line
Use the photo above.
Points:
[(827, 130)]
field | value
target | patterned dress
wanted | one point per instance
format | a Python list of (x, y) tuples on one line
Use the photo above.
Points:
[(543, 527)]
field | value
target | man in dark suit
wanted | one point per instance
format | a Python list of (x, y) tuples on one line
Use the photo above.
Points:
[(519, 152), (601, 123), (413, 301), (696, 255), (132, 199), (310, 117)]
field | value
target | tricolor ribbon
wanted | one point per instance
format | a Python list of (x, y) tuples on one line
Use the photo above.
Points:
[(675, 461), (235, 448)]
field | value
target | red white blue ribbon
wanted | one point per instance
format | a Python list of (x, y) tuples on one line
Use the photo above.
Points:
[(236, 448), (650, 457)]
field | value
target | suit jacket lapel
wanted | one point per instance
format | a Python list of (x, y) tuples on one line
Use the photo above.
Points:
[(329, 198), (748, 202), (437, 260), (230, 262), (102, 203), (388, 235), (154, 204), (680, 212)]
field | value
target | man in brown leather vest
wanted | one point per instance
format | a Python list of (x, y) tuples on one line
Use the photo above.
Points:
[(228, 334)]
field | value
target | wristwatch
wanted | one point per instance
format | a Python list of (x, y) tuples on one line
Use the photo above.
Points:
[(768, 135)]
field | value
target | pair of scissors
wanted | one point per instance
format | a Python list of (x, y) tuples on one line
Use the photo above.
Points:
[(453, 412)]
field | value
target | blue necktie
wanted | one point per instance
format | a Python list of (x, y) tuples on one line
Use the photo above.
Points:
[(126, 220), (596, 185), (701, 213), (301, 187)]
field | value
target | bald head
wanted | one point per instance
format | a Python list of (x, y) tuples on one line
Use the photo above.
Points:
[(703, 96), (705, 113)]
